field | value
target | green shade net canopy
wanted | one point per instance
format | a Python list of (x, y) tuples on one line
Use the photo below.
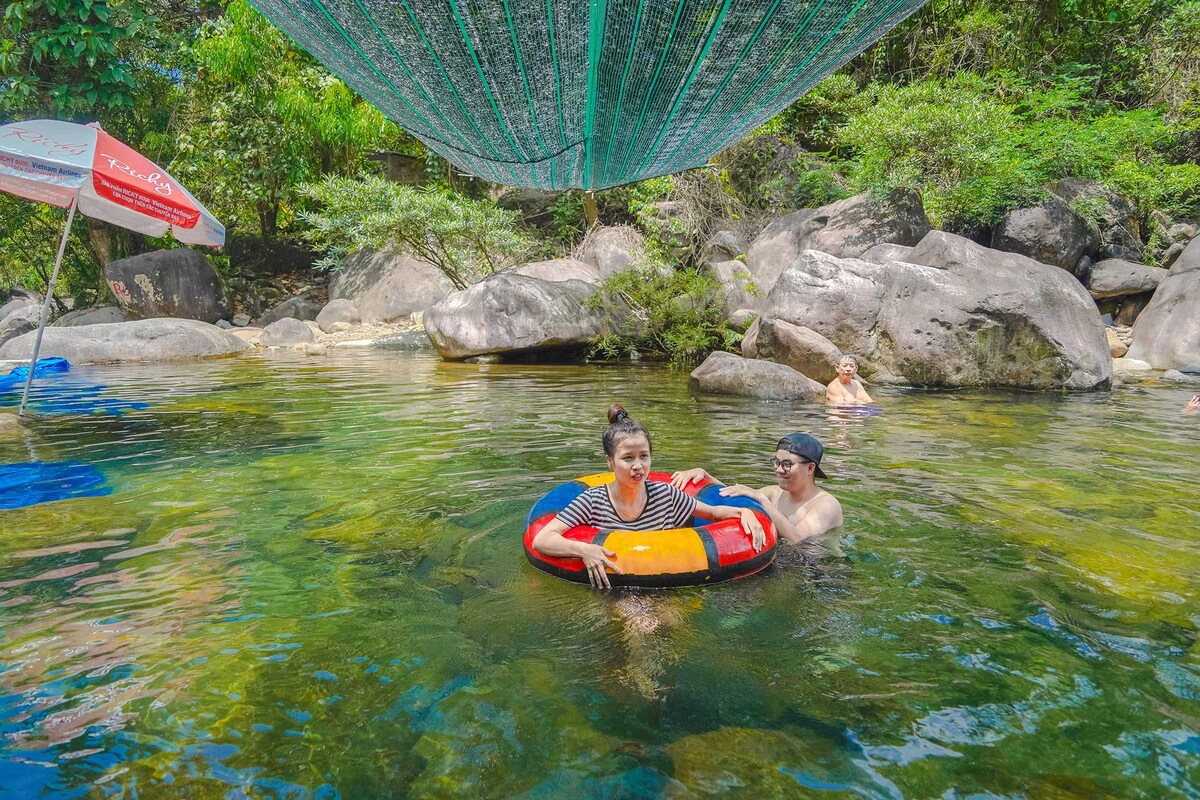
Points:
[(559, 94)]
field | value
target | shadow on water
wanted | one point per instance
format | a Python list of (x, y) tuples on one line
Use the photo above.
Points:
[(307, 581)]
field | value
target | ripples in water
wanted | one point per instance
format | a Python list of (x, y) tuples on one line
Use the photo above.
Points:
[(307, 581)]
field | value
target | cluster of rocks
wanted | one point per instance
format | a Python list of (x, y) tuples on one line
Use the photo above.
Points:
[(919, 306), (20, 310)]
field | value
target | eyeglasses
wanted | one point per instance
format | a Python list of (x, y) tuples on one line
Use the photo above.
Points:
[(787, 465)]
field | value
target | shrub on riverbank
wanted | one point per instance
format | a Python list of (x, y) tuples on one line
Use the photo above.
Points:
[(659, 311), (466, 239)]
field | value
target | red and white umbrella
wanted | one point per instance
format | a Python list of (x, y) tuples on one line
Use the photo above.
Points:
[(81, 167)]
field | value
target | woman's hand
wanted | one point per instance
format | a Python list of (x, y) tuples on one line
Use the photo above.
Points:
[(758, 537), (595, 559), (741, 490), (696, 475)]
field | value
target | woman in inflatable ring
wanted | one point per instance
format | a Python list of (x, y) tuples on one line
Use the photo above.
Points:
[(630, 502)]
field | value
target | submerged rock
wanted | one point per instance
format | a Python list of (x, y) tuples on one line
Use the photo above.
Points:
[(726, 373), (1124, 367), (139, 340)]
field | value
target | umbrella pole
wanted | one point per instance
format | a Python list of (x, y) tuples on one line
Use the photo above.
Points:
[(37, 345)]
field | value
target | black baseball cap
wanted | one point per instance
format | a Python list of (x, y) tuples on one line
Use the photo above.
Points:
[(804, 446)]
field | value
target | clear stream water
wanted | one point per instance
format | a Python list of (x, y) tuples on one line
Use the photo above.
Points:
[(307, 582)]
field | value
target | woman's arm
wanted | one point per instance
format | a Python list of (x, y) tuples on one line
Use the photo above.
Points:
[(750, 523), (550, 541)]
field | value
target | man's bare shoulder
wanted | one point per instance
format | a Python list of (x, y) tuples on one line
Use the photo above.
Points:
[(826, 500), (773, 493)]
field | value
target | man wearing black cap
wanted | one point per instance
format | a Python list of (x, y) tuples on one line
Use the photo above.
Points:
[(798, 507)]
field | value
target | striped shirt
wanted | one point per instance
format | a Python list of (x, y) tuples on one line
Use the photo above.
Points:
[(666, 508)]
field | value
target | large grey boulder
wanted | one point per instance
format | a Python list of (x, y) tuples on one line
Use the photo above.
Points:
[(1114, 215), (724, 245), (336, 311), (178, 283), (20, 320), (738, 287), (389, 284), (954, 314), (558, 269), (301, 308), (1050, 233), (612, 250), (726, 373), (101, 315), (139, 340), (1115, 277), (885, 253), (514, 314), (838, 298), (286, 332), (1189, 259), (800, 348), (1167, 333), (16, 303), (845, 229)]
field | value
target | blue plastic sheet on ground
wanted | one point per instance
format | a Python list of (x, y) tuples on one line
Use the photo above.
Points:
[(45, 481), (61, 397), (43, 368)]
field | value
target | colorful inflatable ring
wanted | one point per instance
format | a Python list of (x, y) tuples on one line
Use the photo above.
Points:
[(708, 552)]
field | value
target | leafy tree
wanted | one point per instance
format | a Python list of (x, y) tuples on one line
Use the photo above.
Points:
[(260, 118), (466, 239), (69, 57), (29, 239), (951, 141)]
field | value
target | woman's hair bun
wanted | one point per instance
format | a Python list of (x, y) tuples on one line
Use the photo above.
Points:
[(616, 413)]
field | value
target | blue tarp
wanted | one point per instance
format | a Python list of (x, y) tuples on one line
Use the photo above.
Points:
[(44, 481), (64, 397)]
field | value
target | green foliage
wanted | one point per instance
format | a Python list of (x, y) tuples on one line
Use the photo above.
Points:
[(69, 57), (567, 210), (260, 118), (466, 239), (815, 118), (29, 237), (654, 310), (949, 140)]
